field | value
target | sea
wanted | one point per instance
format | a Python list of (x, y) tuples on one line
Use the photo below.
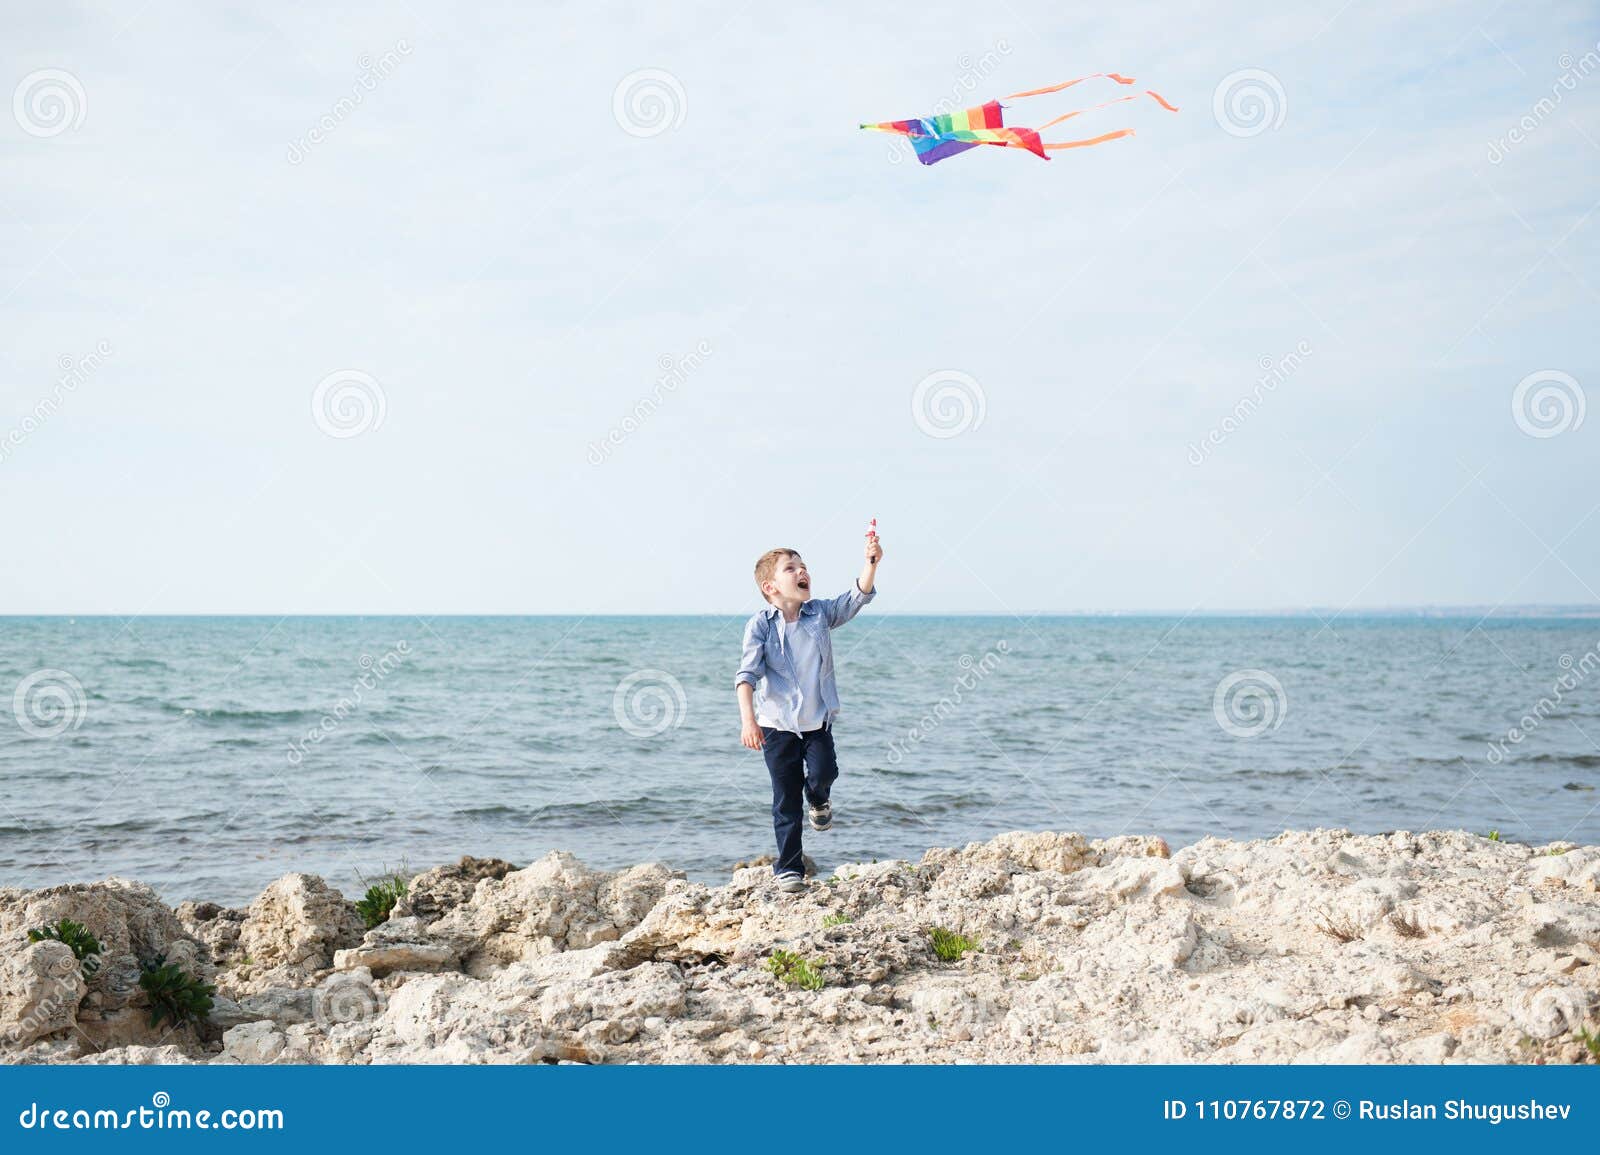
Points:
[(207, 756)]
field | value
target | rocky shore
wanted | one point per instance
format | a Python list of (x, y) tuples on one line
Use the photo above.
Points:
[(1317, 946)]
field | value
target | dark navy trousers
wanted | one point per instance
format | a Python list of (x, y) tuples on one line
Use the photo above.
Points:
[(802, 767)]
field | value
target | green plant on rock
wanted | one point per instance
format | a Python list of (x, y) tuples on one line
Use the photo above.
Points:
[(794, 971), (836, 920), (174, 996), (1493, 836), (950, 946), (85, 947), (375, 906), (1591, 1042)]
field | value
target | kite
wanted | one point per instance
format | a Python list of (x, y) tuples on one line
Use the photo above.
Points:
[(947, 134)]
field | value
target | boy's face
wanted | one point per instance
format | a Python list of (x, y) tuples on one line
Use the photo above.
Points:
[(789, 581)]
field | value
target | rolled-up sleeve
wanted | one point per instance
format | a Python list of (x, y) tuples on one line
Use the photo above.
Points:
[(847, 605), (753, 662)]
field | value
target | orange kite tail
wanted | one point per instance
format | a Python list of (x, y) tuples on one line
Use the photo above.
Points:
[(1069, 84), (1121, 132)]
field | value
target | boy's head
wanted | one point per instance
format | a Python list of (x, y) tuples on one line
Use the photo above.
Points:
[(781, 574)]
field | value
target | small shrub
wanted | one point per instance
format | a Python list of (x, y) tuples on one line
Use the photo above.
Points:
[(794, 971), (1493, 836), (85, 947), (836, 920), (1339, 931), (1406, 927), (374, 907), (1591, 1042), (174, 996), (949, 945)]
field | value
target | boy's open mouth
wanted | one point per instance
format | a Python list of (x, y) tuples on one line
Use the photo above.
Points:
[(804, 583)]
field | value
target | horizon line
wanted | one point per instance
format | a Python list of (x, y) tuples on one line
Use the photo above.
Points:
[(1465, 609)]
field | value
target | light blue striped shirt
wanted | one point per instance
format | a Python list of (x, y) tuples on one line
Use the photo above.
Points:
[(769, 664)]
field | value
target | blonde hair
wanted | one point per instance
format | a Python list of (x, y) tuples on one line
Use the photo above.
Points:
[(767, 565)]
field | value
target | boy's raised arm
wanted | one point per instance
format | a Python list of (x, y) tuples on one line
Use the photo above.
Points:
[(848, 604)]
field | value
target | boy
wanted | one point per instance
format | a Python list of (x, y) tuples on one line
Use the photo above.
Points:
[(787, 699)]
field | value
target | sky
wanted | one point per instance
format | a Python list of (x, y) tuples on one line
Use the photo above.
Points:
[(530, 308)]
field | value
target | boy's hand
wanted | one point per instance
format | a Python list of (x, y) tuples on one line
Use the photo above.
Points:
[(874, 550), (750, 735)]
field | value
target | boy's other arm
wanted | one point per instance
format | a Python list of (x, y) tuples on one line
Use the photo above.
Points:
[(752, 668), (750, 735)]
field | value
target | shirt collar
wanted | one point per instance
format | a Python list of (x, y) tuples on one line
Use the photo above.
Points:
[(773, 611)]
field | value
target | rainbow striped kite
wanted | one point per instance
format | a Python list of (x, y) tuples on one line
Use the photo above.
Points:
[(941, 136)]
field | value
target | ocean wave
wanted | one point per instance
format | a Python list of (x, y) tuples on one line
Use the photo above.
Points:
[(1582, 761), (594, 813), (253, 719)]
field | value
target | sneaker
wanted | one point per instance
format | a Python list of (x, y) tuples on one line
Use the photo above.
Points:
[(792, 883), (822, 817)]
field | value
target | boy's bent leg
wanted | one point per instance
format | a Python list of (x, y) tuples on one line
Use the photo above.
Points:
[(785, 756), (822, 765)]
